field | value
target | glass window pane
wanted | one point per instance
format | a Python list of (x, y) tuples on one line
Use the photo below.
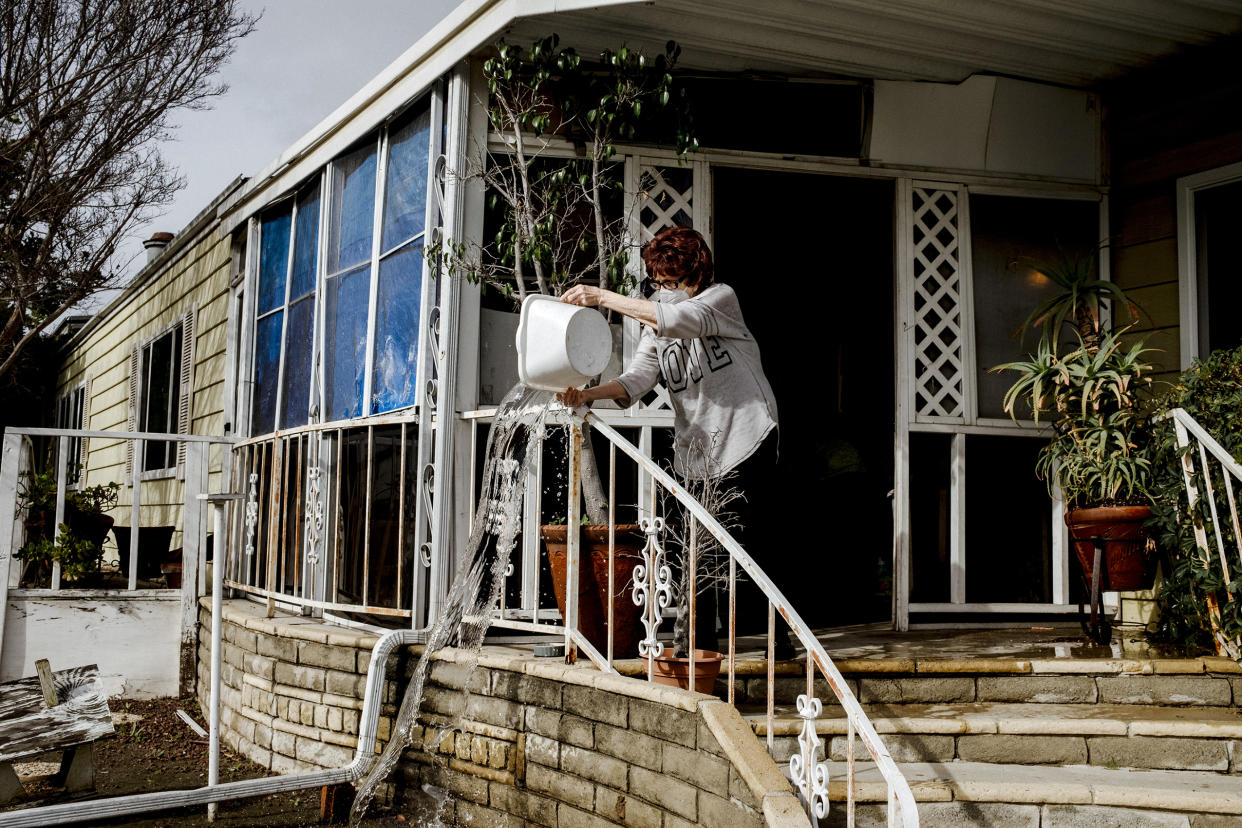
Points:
[(1009, 238), (1008, 526), (1218, 213), (273, 260), (266, 370), (294, 408), (353, 209), (396, 329), (305, 245), (346, 326), (405, 199)]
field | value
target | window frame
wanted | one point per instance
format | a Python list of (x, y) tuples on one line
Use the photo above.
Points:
[(1188, 187), (144, 373), (74, 397), (425, 106), (316, 294)]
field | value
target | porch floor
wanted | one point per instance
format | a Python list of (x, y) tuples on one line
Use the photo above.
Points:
[(876, 648)]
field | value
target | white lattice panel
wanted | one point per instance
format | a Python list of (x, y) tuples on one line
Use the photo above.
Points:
[(937, 305), (665, 198)]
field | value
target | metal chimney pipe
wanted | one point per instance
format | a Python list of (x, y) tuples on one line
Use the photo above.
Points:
[(156, 244)]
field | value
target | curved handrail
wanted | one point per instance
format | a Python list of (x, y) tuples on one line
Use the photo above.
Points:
[(866, 731)]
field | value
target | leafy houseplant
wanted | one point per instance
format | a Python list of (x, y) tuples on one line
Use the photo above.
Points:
[(76, 544), (556, 221), (1093, 396)]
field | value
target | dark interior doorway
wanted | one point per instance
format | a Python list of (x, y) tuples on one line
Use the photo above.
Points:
[(811, 259)]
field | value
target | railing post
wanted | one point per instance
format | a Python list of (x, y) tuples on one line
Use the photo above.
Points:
[(135, 518), (10, 463), (218, 501), (572, 512), (62, 481), (191, 521)]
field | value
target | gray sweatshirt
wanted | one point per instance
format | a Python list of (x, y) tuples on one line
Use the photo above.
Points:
[(707, 359)]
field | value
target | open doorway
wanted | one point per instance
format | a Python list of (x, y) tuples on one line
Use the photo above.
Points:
[(811, 259)]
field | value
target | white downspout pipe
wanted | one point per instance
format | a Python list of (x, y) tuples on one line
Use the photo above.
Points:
[(217, 635), (364, 757)]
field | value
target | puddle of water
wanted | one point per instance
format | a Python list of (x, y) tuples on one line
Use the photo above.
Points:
[(515, 438)]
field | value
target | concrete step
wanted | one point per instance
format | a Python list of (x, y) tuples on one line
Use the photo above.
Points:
[(895, 681), (985, 794), (1105, 735)]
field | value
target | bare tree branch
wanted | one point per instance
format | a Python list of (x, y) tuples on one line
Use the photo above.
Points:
[(86, 91)]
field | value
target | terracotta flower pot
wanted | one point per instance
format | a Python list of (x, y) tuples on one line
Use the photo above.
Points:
[(675, 672), (593, 583), (1127, 563)]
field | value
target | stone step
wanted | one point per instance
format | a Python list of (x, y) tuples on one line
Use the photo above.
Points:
[(976, 793), (1113, 736), (1077, 687)]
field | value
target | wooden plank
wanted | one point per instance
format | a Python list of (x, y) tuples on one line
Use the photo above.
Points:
[(44, 669), (28, 726)]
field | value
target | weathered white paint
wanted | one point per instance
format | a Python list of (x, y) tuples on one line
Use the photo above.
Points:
[(997, 125), (134, 637)]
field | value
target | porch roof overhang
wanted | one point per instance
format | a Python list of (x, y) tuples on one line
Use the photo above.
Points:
[(1075, 43)]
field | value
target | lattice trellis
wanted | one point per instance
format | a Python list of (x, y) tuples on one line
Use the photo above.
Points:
[(938, 372), (665, 198)]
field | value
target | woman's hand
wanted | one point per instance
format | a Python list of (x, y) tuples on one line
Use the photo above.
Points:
[(573, 397), (585, 296)]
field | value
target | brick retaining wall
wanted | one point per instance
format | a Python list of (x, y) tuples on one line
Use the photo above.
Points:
[(539, 742)]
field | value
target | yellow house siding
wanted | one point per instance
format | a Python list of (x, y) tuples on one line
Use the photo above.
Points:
[(195, 276)]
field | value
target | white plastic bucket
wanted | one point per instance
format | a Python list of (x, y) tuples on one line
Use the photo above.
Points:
[(560, 346)]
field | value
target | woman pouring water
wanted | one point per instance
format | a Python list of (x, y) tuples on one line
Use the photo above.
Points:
[(695, 341)]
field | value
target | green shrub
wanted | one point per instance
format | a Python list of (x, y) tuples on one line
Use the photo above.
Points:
[(1211, 392)]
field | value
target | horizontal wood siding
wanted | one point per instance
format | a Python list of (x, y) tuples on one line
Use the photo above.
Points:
[(1180, 117), (197, 275)]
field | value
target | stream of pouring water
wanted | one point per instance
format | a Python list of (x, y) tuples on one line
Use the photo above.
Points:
[(515, 439)]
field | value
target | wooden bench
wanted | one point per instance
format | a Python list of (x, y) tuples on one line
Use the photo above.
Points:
[(28, 727)]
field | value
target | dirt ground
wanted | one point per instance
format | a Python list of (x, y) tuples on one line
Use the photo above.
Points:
[(154, 750)]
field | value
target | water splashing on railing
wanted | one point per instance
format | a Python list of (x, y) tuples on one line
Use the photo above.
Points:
[(516, 436)]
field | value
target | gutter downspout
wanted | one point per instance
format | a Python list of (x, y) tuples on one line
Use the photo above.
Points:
[(160, 800)]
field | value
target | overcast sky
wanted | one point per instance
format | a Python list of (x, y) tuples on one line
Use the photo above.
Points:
[(305, 59)]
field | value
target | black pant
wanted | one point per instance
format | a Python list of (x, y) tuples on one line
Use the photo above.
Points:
[(756, 524)]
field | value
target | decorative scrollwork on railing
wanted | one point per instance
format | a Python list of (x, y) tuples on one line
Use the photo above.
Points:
[(809, 777), (653, 586), (428, 487), (433, 391), (314, 515), (424, 554), (433, 334), (252, 513)]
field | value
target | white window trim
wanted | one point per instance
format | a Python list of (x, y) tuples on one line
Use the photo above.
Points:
[(171, 471), (83, 417), (1187, 255)]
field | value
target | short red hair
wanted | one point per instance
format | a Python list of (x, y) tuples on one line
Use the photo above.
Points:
[(680, 253)]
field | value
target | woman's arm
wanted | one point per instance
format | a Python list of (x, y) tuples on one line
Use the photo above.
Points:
[(574, 397), (587, 296)]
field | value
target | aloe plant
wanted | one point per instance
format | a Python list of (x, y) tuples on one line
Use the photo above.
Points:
[(1094, 398)]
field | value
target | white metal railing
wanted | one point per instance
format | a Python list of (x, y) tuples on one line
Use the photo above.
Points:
[(1207, 465), (185, 514), (652, 590), (327, 519)]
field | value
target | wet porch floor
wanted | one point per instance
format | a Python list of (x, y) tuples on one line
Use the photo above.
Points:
[(876, 648)]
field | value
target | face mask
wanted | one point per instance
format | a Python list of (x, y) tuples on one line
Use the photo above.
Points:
[(671, 296)]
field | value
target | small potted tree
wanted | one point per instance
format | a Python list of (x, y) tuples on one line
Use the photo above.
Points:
[(711, 571), (556, 221), (1093, 395)]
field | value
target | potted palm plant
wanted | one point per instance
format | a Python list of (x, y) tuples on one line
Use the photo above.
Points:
[(1093, 396)]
